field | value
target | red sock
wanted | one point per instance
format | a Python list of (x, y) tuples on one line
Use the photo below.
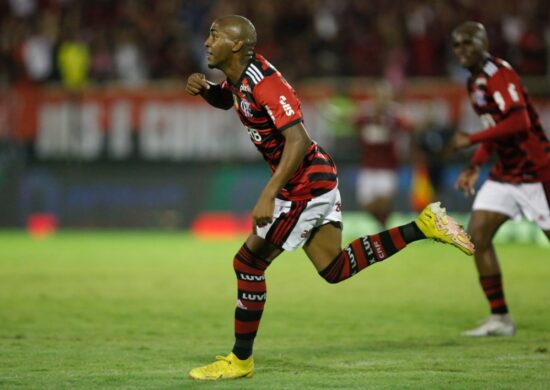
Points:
[(365, 251), (492, 287), (251, 298)]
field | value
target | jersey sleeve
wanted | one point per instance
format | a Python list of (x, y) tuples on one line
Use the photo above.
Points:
[(225, 86), (506, 89), (482, 153), (517, 121), (280, 101)]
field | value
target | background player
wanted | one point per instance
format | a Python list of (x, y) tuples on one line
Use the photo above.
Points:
[(519, 182), (380, 125), (300, 204)]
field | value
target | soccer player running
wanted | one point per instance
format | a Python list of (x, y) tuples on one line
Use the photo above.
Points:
[(519, 182), (300, 204), (379, 126)]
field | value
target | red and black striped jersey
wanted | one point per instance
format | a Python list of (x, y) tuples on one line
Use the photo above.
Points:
[(379, 128), (523, 156), (267, 105)]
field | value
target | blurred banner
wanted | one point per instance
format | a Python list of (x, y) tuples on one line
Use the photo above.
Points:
[(158, 123), (157, 158)]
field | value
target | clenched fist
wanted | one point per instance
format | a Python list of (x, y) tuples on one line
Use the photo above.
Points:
[(197, 84)]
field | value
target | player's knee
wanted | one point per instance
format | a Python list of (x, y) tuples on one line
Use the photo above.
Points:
[(246, 259), (239, 265), (481, 238), (236, 263)]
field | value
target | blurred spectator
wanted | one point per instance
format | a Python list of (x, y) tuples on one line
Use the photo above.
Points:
[(23, 8), (38, 49), (133, 41), (73, 59), (423, 45), (532, 48), (101, 61), (128, 57)]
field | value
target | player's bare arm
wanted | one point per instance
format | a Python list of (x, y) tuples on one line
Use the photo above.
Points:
[(461, 140), (467, 180), (197, 84), (297, 142)]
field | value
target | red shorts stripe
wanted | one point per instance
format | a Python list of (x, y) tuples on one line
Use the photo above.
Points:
[(283, 230), (280, 228)]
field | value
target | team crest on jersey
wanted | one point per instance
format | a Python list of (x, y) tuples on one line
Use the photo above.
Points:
[(245, 87), (245, 108), (478, 97)]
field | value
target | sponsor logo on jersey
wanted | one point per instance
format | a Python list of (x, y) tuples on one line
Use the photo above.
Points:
[(287, 107), (245, 88)]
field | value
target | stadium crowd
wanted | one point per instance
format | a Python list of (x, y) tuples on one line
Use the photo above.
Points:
[(134, 41)]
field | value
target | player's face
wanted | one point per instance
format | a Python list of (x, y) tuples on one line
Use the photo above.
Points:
[(219, 46), (468, 49)]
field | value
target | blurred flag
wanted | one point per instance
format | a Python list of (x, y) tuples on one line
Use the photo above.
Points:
[(422, 191)]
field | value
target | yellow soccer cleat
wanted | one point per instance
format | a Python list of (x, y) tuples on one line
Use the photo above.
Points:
[(434, 222), (225, 367)]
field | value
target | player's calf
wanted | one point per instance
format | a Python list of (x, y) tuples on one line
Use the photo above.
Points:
[(368, 250)]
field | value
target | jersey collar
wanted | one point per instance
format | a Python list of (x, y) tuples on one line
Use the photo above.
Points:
[(239, 81)]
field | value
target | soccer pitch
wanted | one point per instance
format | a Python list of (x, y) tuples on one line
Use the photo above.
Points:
[(139, 310)]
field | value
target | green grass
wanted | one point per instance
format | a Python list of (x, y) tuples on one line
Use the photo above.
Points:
[(138, 310)]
